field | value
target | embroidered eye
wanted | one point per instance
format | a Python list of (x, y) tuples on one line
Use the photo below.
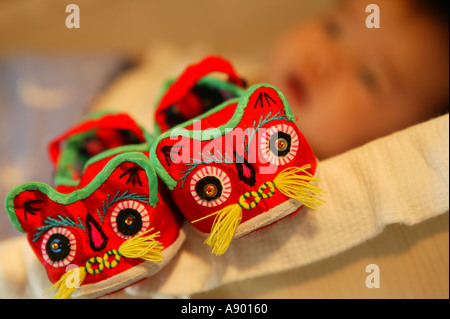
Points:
[(58, 247), (279, 144), (129, 218), (210, 186)]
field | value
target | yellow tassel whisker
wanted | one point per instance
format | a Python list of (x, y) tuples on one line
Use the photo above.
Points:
[(68, 282), (204, 217), (293, 182), (144, 246), (223, 228), (297, 182)]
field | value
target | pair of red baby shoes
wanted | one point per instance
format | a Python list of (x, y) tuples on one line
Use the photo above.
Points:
[(226, 159)]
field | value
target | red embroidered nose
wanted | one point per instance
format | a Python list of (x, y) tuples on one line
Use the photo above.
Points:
[(97, 238), (245, 171)]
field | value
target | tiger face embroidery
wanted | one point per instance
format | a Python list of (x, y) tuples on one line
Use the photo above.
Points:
[(239, 167), (116, 228)]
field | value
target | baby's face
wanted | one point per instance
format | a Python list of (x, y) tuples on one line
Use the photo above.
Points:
[(348, 84)]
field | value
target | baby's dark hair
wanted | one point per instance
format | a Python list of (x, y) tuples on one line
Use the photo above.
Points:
[(438, 10)]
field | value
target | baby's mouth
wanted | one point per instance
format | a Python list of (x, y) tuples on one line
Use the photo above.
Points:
[(296, 89)]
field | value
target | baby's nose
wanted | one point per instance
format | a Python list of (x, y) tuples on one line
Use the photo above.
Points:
[(320, 66)]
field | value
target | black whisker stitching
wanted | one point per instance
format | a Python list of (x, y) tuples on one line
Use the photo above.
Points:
[(28, 209), (133, 175)]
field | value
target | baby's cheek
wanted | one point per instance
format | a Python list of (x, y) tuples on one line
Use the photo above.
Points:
[(331, 139), (335, 130)]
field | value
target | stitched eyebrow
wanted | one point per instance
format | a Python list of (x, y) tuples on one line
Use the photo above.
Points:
[(51, 222), (210, 158), (107, 203), (64, 221)]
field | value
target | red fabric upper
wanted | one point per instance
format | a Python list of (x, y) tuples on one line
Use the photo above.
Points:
[(180, 92)]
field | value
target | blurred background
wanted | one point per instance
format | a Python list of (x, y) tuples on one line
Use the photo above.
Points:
[(50, 75), (132, 26)]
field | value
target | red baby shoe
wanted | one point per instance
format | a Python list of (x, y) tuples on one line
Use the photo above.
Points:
[(113, 226), (241, 166), (98, 133), (196, 91)]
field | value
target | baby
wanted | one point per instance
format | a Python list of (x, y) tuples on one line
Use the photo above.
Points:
[(349, 84)]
